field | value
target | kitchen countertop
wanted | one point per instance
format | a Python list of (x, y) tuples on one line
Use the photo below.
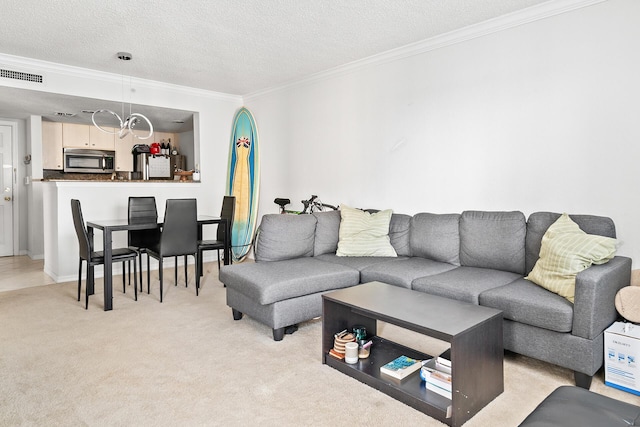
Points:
[(163, 181), (52, 175)]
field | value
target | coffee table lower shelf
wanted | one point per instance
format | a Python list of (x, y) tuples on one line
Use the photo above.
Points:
[(410, 390)]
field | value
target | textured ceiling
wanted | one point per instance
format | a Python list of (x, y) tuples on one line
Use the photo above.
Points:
[(230, 46)]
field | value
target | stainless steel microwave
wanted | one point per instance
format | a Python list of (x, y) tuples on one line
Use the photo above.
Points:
[(89, 161)]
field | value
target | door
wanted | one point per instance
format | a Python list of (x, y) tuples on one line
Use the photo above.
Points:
[(6, 198)]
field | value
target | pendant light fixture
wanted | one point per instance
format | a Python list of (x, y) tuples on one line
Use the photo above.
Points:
[(128, 124)]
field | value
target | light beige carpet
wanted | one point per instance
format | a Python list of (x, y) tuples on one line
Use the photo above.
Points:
[(187, 362)]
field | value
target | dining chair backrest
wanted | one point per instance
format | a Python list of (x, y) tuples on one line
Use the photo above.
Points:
[(81, 231), (143, 209), (227, 212), (180, 228)]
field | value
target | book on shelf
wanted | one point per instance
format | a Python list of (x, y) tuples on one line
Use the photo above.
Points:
[(445, 359), (437, 377), (401, 367), (433, 370), (440, 379), (434, 388)]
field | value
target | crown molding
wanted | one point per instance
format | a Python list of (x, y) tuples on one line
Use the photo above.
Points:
[(501, 23), (43, 67), (525, 16)]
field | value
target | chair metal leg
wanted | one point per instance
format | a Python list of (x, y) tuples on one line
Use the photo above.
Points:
[(90, 282), (135, 280), (218, 251), (124, 276), (160, 274), (140, 265), (198, 255), (197, 277), (86, 293), (79, 277), (148, 276), (175, 268), (186, 279)]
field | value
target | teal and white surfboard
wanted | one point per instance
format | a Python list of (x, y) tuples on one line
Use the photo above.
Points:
[(243, 182)]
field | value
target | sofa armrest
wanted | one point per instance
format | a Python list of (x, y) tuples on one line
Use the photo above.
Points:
[(596, 288)]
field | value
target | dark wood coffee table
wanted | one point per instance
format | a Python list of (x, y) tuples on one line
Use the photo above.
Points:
[(474, 332)]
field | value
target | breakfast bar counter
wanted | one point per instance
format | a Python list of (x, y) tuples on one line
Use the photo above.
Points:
[(106, 200)]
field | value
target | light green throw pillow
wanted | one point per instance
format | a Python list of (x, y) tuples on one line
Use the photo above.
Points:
[(566, 250), (364, 234)]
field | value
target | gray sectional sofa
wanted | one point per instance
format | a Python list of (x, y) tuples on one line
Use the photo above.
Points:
[(479, 257)]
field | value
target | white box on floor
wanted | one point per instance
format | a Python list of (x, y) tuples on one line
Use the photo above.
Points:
[(621, 349)]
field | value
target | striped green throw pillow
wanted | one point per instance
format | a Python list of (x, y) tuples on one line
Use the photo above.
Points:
[(364, 234), (566, 251)]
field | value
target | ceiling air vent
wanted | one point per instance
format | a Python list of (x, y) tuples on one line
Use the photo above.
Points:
[(19, 75)]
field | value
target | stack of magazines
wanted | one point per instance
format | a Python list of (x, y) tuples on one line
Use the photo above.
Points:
[(436, 373)]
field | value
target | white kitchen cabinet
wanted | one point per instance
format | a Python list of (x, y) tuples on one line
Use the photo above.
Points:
[(52, 146), (75, 136), (99, 140), (124, 158), (86, 136)]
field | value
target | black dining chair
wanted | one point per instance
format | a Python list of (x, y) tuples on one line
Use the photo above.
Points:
[(143, 210), (93, 258), (179, 236), (227, 212)]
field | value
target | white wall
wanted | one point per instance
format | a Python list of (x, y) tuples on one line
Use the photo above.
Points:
[(542, 116), (33, 211)]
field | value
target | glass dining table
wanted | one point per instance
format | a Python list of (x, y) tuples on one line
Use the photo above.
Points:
[(108, 226)]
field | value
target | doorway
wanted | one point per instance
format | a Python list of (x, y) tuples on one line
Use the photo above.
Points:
[(7, 176)]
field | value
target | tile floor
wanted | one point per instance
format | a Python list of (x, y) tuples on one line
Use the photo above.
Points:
[(17, 272)]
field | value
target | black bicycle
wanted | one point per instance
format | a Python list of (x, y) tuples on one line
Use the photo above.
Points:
[(310, 206)]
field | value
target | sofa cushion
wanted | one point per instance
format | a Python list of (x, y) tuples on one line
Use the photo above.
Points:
[(436, 236), (268, 282), (327, 229), (283, 237), (493, 240), (463, 283), (565, 251), (402, 271), (525, 302), (539, 222), (357, 262), (399, 233), (364, 234)]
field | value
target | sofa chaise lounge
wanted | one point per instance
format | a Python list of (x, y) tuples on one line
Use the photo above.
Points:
[(479, 257)]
